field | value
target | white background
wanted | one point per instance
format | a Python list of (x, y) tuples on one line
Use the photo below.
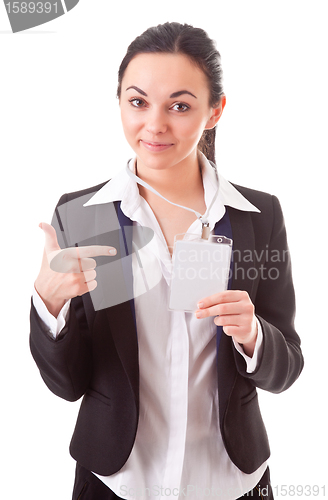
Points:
[(60, 132)]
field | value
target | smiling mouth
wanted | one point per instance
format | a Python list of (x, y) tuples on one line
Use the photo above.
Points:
[(156, 146)]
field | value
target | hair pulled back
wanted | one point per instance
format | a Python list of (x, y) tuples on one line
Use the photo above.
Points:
[(176, 38)]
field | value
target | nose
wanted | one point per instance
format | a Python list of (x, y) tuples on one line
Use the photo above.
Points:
[(157, 122)]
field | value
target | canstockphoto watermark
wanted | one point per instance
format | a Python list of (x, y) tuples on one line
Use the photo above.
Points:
[(190, 490), (212, 271), (206, 265), (25, 15), (265, 255), (264, 264), (253, 273)]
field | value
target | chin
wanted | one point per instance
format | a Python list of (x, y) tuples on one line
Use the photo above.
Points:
[(156, 161)]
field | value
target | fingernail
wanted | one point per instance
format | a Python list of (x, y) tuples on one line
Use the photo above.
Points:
[(40, 225), (198, 314), (112, 252), (200, 305)]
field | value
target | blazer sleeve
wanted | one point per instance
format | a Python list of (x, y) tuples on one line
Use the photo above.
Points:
[(282, 361), (65, 363)]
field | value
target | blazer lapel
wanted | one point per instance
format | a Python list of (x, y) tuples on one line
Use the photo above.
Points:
[(243, 250), (121, 316), (243, 244)]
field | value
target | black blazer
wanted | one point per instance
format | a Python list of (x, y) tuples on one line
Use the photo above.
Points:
[(96, 355)]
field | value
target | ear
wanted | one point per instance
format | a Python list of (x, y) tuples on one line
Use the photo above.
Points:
[(216, 113)]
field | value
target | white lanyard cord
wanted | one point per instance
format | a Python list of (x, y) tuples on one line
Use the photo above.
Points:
[(202, 218)]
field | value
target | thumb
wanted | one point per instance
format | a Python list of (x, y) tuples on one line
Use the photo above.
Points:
[(51, 242)]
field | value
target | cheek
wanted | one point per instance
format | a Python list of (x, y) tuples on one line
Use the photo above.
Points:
[(130, 121), (191, 129)]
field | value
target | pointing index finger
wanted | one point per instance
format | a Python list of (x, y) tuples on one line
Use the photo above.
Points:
[(77, 259)]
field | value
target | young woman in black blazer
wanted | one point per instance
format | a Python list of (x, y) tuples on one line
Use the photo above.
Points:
[(169, 404)]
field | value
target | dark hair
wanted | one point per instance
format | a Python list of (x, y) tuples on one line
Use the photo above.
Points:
[(193, 42)]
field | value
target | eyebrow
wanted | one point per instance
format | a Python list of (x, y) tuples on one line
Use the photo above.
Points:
[(181, 92), (175, 94), (138, 90)]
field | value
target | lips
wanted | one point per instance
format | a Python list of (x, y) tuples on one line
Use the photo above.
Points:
[(156, 146)]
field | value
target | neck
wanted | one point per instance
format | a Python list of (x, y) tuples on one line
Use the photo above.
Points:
[(182, 181)]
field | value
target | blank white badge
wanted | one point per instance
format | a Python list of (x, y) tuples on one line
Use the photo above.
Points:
[(200, 268)]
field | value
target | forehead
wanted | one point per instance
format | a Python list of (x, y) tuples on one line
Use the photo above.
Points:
[(165, 73)]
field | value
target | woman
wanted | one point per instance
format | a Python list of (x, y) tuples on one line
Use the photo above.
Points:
[(173, 410)]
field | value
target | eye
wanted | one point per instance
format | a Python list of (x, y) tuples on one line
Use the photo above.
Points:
[(136, 102), (181, 107)]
